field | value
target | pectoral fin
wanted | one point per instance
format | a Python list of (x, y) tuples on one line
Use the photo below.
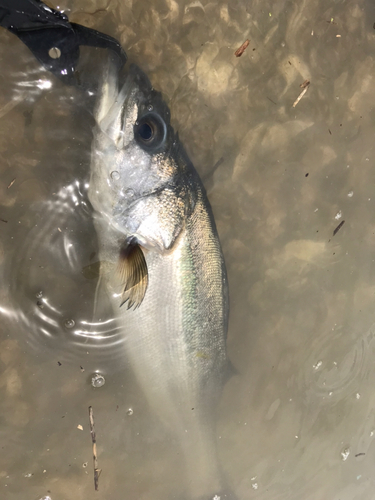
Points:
[(133, 273)]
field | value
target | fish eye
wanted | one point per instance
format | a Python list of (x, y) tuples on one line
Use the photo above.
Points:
[(145, 131), (150, 131)]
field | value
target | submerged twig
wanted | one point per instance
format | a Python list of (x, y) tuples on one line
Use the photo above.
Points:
[(11, 183), (338, 227), (305, 85), (97, 471), (242, 49)]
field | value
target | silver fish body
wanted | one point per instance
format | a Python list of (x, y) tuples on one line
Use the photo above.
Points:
[(146, 193)]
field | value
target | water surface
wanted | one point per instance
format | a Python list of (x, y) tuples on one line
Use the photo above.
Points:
[(297, 420)]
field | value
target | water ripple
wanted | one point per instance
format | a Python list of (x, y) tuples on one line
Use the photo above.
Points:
[(52, 299), (338, 364)]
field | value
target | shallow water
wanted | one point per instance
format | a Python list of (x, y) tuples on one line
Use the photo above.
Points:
[(297, 420)]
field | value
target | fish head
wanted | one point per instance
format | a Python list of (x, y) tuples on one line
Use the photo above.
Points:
[(135, 150)]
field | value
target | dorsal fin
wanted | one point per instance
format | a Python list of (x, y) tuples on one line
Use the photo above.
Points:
[(133, 272)]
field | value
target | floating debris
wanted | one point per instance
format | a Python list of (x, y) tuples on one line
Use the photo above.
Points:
[(11, 183), (345, 454), (338, 215), (80, 427), (338, 227), (273, 102), (97, 471), (242, 49), (304, 86)]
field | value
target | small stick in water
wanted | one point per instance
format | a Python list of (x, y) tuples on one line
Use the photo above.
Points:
[(304, 86), (242, 49), (97, 471), (338, 227), (11, 183)]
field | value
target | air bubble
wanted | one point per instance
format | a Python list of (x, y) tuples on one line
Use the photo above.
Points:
[(97, 380), (39, 294), (150, 107), (69, 323), (115, 175), (130, 412), (350, 194), (129, 192)]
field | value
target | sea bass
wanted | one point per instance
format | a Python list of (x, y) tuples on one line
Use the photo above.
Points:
[(168, 284)]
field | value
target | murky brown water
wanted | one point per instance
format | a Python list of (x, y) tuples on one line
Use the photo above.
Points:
[(298, 420)]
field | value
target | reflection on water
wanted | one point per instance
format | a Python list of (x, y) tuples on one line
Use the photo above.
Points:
[(297, 420)]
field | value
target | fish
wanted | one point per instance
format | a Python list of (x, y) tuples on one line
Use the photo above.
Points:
[(168, 284)]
